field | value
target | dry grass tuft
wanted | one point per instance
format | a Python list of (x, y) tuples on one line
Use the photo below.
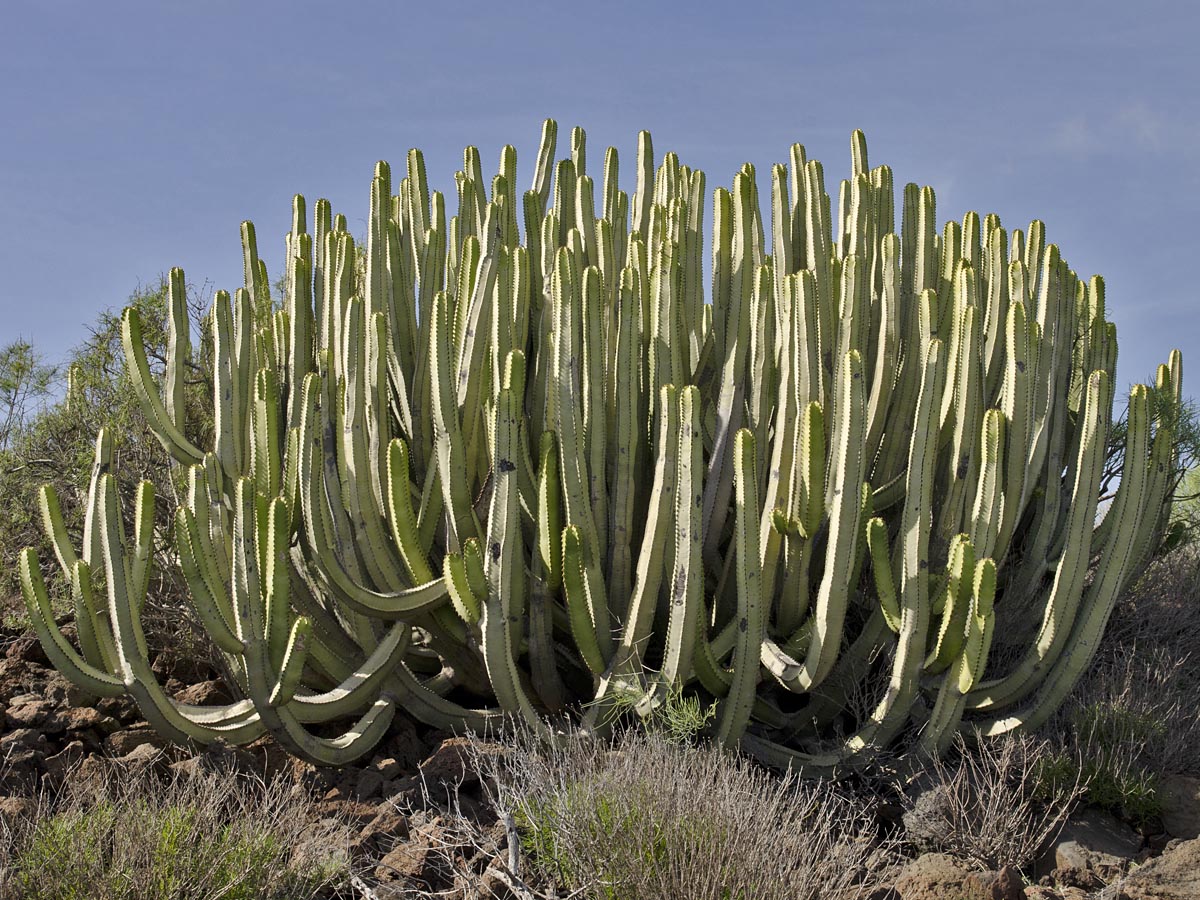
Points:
[(992, 805), (650, 819)]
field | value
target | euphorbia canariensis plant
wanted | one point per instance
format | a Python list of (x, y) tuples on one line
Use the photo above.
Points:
[(528, 461)]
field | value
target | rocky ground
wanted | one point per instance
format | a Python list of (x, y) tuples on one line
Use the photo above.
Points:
[(409, 843)]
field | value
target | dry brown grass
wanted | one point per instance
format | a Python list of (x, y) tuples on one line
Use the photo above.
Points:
[(991, 805), (649, 819)]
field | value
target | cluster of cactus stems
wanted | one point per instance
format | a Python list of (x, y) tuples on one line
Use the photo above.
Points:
[(479, 478)]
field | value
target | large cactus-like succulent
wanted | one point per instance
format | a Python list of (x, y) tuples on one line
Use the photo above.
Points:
[(520, 463)]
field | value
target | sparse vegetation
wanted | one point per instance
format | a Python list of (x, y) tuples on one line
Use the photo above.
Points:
[(990, 805), (52, 442), (1135, 717), (646, 817), (134, 837), (25, 383)]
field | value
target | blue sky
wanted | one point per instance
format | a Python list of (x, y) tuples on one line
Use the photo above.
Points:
[(136, 136)]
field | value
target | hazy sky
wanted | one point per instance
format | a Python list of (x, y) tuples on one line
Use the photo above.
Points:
[(136, 136)]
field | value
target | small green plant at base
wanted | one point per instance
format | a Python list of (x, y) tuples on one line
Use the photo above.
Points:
[(1130, 794), (679, 719), (682, 719), (1110, 740)]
